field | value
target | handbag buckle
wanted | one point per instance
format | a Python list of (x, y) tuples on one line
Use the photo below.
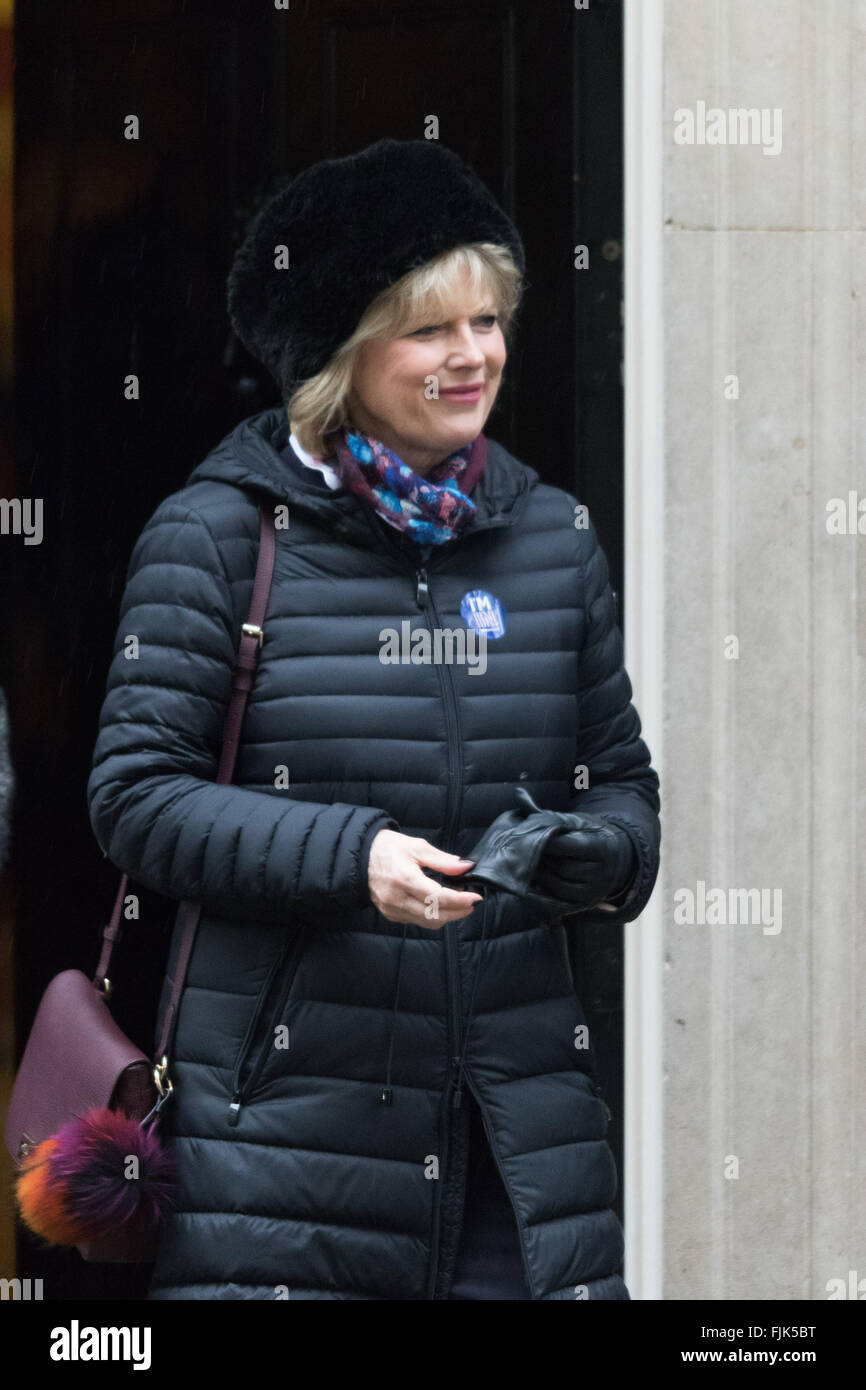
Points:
[(26, 1145), (161, 1080), (253, 630)]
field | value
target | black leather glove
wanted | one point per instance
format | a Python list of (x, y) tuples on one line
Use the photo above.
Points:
[(585, 867), (513, 854)]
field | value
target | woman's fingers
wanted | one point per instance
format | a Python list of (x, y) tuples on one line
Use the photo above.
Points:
[(426, 904), (561, 890), (577, 846), (440, 859), (431, 903), (402, 892), (572, 870)]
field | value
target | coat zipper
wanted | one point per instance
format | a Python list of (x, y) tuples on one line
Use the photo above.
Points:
[(441, 1182), (451, 1098), (423, 597), (450, 930), (243, 1086), (453, 1091), (425, 601)]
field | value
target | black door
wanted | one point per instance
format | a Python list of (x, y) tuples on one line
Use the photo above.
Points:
[(122, 249)]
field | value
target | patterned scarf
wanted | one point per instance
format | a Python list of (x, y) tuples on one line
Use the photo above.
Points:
[(430, 509)]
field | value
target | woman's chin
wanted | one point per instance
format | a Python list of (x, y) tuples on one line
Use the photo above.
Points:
[(461, 428)]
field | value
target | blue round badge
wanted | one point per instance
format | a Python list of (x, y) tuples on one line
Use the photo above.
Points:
[(483, 612)]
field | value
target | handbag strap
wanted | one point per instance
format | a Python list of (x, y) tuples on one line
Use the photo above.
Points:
[(252, 634)]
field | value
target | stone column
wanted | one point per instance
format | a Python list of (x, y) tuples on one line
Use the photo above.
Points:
[(749, 1035)]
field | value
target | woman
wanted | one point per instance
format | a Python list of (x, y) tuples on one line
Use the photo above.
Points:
[(382, 1087)]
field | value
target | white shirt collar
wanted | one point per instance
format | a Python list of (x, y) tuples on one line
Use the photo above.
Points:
[(328, 473)]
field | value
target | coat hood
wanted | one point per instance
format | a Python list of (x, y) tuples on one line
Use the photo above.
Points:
[(249, 457)]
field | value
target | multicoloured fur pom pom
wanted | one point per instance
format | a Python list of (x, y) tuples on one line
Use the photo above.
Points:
[(101, 1171)]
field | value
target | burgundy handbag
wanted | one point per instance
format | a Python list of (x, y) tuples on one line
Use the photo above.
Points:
[(77, 1059)]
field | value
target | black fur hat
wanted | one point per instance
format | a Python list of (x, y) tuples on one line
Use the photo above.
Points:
[(352, 227)]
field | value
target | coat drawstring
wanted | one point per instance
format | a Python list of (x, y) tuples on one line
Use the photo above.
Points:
[(386, 1095)]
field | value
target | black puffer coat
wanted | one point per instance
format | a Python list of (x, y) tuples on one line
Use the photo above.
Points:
[(297, 1181)]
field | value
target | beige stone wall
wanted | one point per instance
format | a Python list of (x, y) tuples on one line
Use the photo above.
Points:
[(764, 756)]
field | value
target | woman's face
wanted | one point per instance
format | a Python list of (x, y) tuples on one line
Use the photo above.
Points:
[(428, 393)]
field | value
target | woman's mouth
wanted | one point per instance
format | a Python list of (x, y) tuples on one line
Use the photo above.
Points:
[(462, 395)]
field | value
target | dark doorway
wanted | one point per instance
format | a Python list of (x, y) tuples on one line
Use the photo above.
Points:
[(122, 249)]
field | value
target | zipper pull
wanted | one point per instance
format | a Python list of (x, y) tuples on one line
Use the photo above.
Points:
[(422, 588), (235, 1107)]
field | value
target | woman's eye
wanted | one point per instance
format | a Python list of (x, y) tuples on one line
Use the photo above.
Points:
[(484, 321)]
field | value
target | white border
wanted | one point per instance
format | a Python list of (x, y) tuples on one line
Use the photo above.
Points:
[(644, 588)]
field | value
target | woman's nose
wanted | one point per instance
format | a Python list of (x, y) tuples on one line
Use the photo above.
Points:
[(465, 348)]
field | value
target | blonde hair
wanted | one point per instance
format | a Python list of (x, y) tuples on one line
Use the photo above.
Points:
[(318, 405)]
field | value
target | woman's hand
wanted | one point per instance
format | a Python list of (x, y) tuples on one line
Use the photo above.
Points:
[(585, 867), (402, 893)]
